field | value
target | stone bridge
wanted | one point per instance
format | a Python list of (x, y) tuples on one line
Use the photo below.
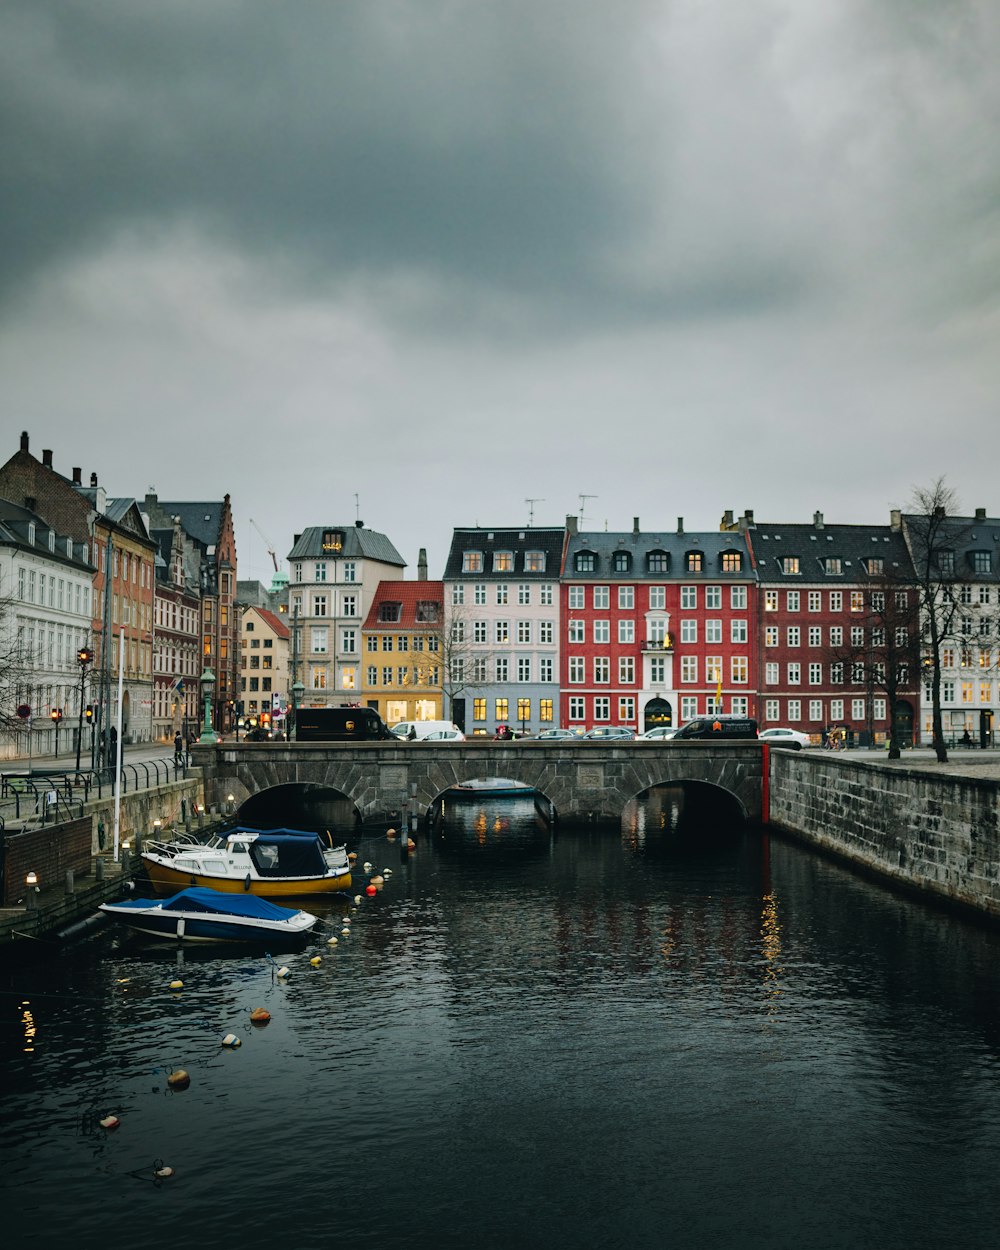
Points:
[(582, 780)]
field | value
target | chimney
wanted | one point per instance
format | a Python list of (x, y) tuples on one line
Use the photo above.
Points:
[(818, 520), (980, 514), (360, 525), (895, 520), (727, 520), (635, 525), (47, 458), (76, 477), (680, 525), (24, 440), (296, 539), (93, 480), (422, 565), (571, 526)]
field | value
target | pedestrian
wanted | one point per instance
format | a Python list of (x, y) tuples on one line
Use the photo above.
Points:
[(178, 748)]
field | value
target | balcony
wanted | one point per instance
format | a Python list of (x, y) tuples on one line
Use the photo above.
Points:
[(660, 645)]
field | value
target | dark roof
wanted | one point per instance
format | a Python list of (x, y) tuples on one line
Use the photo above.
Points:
[(827, 554), (201, 521), (966, 536), (639, 545), (359, 544), (518, 541), (14, 528)]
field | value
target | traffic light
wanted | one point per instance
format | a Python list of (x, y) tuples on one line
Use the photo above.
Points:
[(56, 714), (89, 712), (84, 655)]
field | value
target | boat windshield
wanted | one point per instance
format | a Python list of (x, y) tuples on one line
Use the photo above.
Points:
[(288, 856)]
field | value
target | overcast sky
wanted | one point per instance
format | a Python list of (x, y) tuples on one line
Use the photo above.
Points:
[(424, 261)]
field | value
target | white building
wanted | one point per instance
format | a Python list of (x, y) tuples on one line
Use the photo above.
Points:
[(45, 620)]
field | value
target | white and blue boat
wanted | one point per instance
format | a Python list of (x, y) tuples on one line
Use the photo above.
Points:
[(199, 914)]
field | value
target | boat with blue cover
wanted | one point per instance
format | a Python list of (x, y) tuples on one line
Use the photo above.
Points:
[(198, 914), (271, 863)]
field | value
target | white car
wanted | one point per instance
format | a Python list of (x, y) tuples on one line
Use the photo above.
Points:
[(794, 739), (659, 732), (445, 735)]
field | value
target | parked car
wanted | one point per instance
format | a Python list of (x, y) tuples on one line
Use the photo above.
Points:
[(719, 727), (445, 735), (659, 733), (794, 739), (605, 733), (547, 735)]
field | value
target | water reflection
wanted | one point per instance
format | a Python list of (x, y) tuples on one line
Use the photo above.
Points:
[(499, 826)]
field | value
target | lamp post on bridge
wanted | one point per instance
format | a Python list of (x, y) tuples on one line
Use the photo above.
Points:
[(207, 683)]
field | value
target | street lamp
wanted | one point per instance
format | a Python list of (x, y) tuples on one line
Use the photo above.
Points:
[(207, 683), (83, 657), (298, 690), (31, 889)]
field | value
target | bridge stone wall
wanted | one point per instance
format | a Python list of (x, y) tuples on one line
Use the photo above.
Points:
[(584, 781), (935, 833)]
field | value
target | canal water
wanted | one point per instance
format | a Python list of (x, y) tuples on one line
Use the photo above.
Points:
[(529, 1038)]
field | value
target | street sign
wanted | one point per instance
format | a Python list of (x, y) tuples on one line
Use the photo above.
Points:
[(24, 711)]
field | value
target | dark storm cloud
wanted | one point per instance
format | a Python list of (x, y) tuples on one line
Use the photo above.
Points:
[(496, 148)]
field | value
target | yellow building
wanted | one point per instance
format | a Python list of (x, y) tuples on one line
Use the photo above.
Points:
[(402, 652)]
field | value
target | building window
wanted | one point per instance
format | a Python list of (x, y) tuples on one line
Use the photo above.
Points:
[(621, 562), (479, 593), (319, 642), (524, 668), (857, 601), (626, 670), (602, 707), (479, 709), (427, 611), (577, 670), (770, 601), (585, 562), (503, 562), (657, 598), (738, 629), (794, 709), (771, 673), (575, 598), (472, 562), (479, 631), (523, 710), (689, 631), (689, 669), (713, 631), (577, 707), (319, 573), (794, 674), (771, 636), (501, 594), (790, 564), (794, 636), (602, 670), (545, 669), (732, 561), (501, 710), (534, 562), (602, 631), (545, 631), (524, 593), (318, 679), (738, 669), (693, 562), (524, 631), (602, 598), (815, 674), (657, 671), (458, 593), (689, 707), (832, 566), (502, 631), (626, 631), (713, 598), (545, 595), (626, 598), (657, 562), (333, 541), (501, 668), (390, 612)]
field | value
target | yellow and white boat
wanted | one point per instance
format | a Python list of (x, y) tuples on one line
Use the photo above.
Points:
[(273, 863)]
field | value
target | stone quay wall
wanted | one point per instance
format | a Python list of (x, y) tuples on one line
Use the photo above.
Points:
[(923, 828)]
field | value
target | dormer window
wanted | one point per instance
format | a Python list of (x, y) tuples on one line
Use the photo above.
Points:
[(832, 566), (694, 562), (790, 564), (52, 540), (585, 562), (534, 562), (875, 566), (659, 561), (390, 613), (946, 562), (333, 542), (981, 561), (31, 533), (472, 562), (621, 561), (427, 611), (503, 562), (732, 561)]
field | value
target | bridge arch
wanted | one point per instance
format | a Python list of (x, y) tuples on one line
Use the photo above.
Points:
[(583, 781)]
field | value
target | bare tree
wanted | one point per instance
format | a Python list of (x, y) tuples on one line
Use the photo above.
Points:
[(465, 664), (882, 651), (15, 670), (933, 532)]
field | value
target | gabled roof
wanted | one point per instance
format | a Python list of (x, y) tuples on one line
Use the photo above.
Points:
[(519, 541), (827, 554), (273, 620), (359, 544), (201, 521), (408, 595)]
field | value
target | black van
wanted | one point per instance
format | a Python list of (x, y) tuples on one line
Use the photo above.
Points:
[(340, 724), (721, 727)]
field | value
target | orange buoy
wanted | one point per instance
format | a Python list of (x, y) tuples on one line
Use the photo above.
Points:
[(352, 856), (390, 835), (178, 1079), (259, 1016), (370, 890)]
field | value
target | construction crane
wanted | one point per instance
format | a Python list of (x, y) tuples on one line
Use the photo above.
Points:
[(267, 543)]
